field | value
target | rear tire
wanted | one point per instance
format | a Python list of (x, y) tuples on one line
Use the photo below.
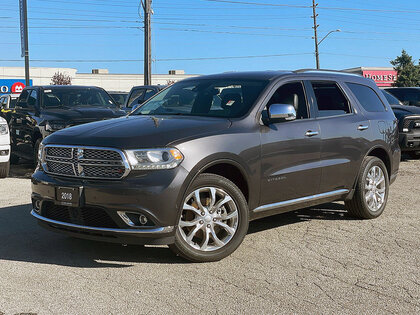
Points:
[(371, 194), (4, 169), (212, 228)]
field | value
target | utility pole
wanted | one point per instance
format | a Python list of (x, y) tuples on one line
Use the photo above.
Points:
[(147, 7), (315, 27), (24, 36)]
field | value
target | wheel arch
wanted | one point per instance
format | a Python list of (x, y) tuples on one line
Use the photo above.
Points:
[(228, 167), (382, 154)]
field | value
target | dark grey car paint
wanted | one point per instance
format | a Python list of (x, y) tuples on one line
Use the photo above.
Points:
[(277, 161)]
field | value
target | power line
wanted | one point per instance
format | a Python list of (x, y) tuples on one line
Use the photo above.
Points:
[(89, 3), (261, 4), (319, 7), (160, 60)]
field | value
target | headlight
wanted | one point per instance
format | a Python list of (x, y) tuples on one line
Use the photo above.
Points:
[(154, 159), (4, 130), (54, 126), (40, 152)]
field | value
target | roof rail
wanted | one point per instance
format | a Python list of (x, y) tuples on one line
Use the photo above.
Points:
[(317, 70), (341, 72)]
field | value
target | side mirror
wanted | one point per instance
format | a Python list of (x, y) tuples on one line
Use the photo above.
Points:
[(281, 112)]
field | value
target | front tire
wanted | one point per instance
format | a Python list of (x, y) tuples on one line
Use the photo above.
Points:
[(371, 194), (4, 169), (35, 153), (213, 222)]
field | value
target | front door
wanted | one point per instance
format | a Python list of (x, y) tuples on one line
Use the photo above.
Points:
[(290, 150)]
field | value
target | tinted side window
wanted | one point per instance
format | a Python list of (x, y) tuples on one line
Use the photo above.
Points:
[(330, 99), (32, 99), (367, 97), (135, 96), (23, 98), (292, 94)]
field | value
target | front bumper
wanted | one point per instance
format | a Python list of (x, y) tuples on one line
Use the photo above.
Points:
[(4, 157), (154, 194), (156, 235), (410, 141)]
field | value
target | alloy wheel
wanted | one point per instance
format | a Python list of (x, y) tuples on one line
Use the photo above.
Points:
[(375, 188), (209, 219)]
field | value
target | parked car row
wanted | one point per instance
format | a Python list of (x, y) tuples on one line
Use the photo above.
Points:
[(41, 110)]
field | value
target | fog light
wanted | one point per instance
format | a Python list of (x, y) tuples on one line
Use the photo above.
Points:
[(37, 205), (135, 219), (142, 219), (405, 129), (4, 152)]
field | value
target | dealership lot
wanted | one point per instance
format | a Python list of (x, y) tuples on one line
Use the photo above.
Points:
[(313, 261)]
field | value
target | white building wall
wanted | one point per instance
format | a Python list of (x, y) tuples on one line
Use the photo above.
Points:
[(110, 82)]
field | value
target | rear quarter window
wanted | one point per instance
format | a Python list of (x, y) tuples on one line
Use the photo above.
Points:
[(367, 97)]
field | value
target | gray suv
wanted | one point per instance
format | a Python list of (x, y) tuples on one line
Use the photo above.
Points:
[(195, 163)]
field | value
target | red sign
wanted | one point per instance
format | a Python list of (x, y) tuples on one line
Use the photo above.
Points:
[(17, 87), (381, 77)]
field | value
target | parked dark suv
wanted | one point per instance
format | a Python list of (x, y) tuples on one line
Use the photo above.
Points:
[(407, 95), (409, 127), (194, 164), (42, 110)]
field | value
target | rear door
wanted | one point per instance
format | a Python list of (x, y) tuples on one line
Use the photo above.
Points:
[(290, 150), (343, 131)]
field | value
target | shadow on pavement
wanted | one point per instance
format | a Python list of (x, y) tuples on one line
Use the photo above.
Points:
[(23, 240), (22, 170), (328, 211)]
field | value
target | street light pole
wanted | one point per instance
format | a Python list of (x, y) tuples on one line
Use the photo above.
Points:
[(338, 30)]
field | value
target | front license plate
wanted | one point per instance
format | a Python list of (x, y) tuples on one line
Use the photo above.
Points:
[(68, 196)]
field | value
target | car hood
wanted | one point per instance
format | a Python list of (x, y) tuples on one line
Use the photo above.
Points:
[(404, 110), (81, 114), (132, 132)]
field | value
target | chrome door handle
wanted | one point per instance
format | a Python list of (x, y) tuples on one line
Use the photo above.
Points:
[(310, 133), (362, 127)]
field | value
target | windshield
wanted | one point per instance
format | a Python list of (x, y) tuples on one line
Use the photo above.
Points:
[(119, 98), (205, 97), (57, 97), (391, 98)]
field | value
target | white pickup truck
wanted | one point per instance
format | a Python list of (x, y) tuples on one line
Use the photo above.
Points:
[(4, 148)]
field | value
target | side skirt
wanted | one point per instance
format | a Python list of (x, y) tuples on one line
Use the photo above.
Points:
[(299, 203)]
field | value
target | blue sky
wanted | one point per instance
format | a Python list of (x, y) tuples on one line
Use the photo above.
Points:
[(98, 30)]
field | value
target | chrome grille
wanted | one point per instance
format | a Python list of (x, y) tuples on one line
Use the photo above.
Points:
[(411, 122), (59, 152), (84, 162)]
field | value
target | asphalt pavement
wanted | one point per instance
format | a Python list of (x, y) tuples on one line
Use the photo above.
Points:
[(310, 261)]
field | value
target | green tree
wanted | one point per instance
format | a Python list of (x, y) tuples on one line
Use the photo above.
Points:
[(408, 72)]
